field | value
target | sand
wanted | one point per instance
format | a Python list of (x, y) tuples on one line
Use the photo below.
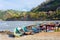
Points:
[(38, 36)]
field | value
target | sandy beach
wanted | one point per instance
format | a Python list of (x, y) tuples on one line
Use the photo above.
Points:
[(38, 36)]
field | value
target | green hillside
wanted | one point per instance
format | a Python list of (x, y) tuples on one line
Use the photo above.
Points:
[(47, 6), (49, 10)]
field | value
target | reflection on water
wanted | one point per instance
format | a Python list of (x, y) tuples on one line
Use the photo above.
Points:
[(10, 25)]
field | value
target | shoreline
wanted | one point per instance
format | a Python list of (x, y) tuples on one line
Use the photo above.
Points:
[(37, 36)]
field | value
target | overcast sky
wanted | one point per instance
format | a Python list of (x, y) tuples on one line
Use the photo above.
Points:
[(23, 5)]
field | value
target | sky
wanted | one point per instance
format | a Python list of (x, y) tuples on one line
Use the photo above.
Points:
[(23, 5)]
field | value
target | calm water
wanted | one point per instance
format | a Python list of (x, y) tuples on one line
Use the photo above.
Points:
[(10, 25)]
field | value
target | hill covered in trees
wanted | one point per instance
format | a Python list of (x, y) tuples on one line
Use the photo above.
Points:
[(49, 10), (51, 5)]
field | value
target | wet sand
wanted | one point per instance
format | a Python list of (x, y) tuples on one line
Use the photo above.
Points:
[(38, 36)]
